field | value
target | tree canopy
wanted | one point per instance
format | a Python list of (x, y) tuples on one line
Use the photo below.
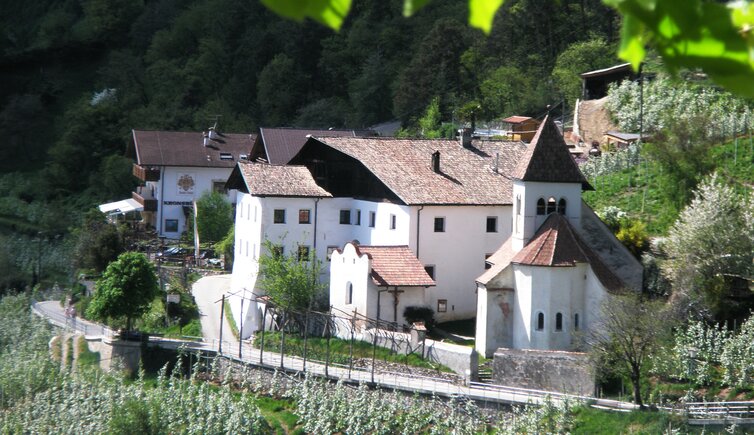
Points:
[(292, 279), (214, 217), (125, 290)]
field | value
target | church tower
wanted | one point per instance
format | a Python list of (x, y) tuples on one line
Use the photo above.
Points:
[(546, 180)]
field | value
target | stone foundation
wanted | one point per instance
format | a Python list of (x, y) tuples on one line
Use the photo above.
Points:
[(565, 372)]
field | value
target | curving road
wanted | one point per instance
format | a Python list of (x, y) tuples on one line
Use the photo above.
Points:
[(207, 293)]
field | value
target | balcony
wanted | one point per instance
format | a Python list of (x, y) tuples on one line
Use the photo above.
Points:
[(145, 197), (146, 174)]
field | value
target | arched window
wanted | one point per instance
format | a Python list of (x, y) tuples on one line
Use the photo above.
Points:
[(541, 206), (559, 322), (550, 205), (349, 293), (540, 321), (562, 206), (576, 321)]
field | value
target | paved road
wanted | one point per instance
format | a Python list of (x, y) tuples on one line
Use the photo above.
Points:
[(207, 291), (56, 314)]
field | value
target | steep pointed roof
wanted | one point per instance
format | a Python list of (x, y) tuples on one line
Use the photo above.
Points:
[(547, 159), (557, 244)]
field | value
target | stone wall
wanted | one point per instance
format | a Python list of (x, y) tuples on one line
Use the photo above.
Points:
[(565, 372)]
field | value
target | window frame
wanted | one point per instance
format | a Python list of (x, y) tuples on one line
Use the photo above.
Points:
[(441, 221), (330, 250), (277, 214), (345, 216), (173, 224), (492, 219), (303, 252), (372, 219), (308, 212), (442, 305), (357, 220), (562, 206), (349, 293), (393, 221), (541, 207), (540, 322), (558, 322)]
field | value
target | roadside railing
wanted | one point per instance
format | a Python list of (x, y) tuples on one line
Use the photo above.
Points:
[(71, 322)]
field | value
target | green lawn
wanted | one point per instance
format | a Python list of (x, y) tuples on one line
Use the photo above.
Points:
[(340, 350), (587, 420)]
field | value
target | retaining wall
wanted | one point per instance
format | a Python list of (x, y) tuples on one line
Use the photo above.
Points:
[(566, 372)]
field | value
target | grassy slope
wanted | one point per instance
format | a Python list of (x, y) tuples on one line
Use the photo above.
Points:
[(594, 421), (636, 191)]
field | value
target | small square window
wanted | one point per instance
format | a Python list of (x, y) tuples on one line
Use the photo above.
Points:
[(330, 250), (345, 217), (372, 219), (277, 251), (439, 224), (491, 224), (171, 225), (303, 253), (304, 216), (393, 221), (278, 216), (219, 187), (430, 269), (358, 218), (442, 305)]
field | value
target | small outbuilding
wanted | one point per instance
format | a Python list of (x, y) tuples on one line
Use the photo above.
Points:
[(594, 84), (521, 127)]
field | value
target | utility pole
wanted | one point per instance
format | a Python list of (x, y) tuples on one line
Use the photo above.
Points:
[(222, 317)]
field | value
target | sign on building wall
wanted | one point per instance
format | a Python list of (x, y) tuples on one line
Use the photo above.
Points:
[(186, 184)]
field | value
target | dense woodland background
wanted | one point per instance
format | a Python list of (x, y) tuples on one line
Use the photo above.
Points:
[(78, 75)]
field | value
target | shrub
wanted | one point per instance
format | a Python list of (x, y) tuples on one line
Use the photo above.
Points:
[(420, 314)]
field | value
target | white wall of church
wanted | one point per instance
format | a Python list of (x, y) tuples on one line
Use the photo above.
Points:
[(458, 253), (550, 291), (527, 222)]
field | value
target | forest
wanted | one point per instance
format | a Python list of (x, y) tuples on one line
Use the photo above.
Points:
[(79, 75)]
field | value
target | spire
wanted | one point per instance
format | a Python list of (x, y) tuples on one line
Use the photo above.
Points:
[(547, 159)]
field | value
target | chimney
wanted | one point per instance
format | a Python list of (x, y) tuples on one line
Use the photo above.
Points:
[(436, 161), (465, 136), (212, 133), (497, 162)]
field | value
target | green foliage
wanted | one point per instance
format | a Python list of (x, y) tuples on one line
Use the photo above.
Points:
[(98, 243), (280, 89), (86, 358), (125, 290), (580, 57), (291, 282), (214, 217), (429, 124), (226, 247), (710, 250), (633, 235), (589, 420), (330, 12)]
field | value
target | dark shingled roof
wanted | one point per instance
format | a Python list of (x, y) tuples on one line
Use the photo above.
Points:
[(557, 244), (547, 159), (182, 148), (466, 175), (282, 144), (262, 179), (395, 266)]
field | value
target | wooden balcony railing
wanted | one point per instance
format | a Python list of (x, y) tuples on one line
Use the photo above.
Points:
[(146, 174)]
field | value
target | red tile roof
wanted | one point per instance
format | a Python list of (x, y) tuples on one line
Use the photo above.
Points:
[(282, 144), (547, 159), (181, 148), (466, 177), (516, 119), (262, 179), (395, 266), (556, 244)]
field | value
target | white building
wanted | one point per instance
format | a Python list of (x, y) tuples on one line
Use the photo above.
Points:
[(176, 168), (377, 282), (548, 279), (447, 200)]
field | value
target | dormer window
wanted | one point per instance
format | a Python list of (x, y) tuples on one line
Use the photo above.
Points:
[(550, 205), (226, 156)]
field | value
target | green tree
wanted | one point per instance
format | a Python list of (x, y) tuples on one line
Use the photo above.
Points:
[(227, 247), (98, 242), (710, 252), (126, 289), (625, 335), (214, 217), (580, 57), (291, 280), (280, 89)]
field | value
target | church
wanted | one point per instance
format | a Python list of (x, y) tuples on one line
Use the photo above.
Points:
[(547, 281)]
